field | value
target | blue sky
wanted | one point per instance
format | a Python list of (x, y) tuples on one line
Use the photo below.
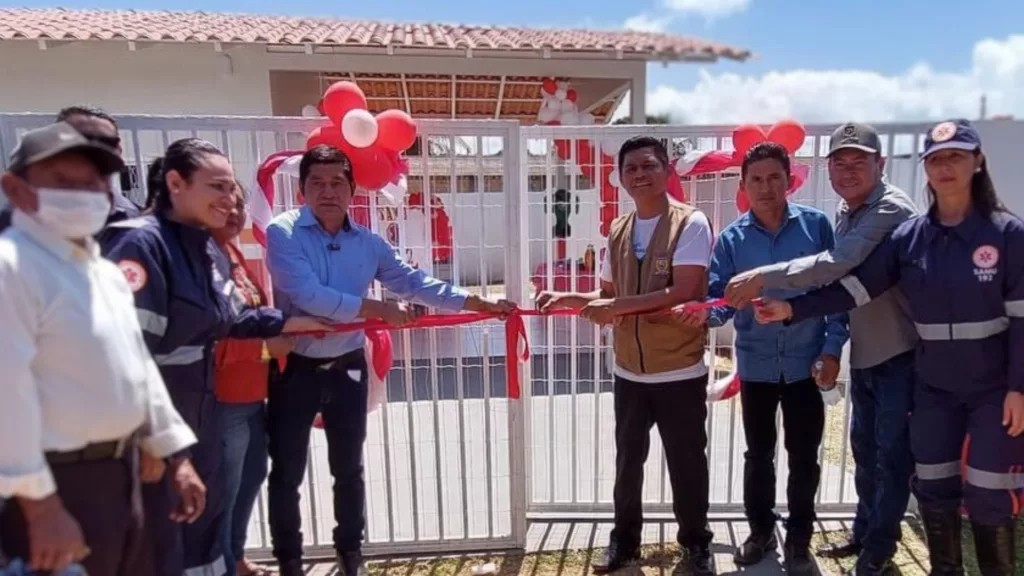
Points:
[(918, 58)]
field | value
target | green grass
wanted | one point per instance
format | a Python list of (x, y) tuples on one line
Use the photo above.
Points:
[(662, 559)]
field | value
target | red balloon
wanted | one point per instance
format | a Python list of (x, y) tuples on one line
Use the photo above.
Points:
[(371, 168), (549, 86), (396, 130), (571, 95), (789, 134), (327, 135), (745, 136), (341, 97)]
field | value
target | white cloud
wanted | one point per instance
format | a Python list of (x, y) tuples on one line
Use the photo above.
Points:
[(709, 9), (647, 23), (920, 93)]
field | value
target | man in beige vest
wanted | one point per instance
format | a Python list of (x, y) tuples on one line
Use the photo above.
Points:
[(657, 257)]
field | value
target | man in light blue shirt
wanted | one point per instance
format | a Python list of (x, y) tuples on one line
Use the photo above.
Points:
[(777, 365), (324, 264)]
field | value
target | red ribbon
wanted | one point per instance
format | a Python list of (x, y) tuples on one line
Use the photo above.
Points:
[(515, 331)]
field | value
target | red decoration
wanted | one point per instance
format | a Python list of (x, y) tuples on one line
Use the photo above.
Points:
[(341, 97), (789, 133), (744, 137), (325, 135), (397, 130), (371, 168), (441, 235), (549, 86), (571, 95)]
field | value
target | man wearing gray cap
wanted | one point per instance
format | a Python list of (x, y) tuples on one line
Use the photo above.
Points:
[(80, 390), (882, 340)]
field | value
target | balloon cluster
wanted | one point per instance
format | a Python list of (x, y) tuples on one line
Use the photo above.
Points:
[(373, 143), (789, 134), (558, 106)]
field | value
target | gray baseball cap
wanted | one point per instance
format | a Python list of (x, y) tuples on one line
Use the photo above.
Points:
[(49, 141), (856, 136)]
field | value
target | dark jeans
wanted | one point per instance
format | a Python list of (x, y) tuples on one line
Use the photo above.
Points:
[(803, 418), (337, 388), (245, 468), (679, 409), (882, 397), (103, 496)]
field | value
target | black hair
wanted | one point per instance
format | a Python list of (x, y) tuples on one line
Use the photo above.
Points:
[(324, 154), (765, 151), (640, 142), (182, 156), (983, 191), (84, 110)]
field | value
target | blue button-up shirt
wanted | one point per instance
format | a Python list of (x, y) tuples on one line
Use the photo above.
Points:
[(774, 352), (317, 274)]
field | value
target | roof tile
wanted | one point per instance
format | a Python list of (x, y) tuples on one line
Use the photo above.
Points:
[(62, 24)]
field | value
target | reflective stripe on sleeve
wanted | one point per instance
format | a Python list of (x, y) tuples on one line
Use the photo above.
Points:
[(152, 322), (963, 330), (856, 289), (181, 356), (1015, 308)]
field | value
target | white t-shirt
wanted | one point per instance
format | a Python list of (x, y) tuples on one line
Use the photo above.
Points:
[(692, 249)]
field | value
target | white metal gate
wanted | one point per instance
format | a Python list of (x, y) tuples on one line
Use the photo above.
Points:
[(451, 463), (444, 454), (570, 422)]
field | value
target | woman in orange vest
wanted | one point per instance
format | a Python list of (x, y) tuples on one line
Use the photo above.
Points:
[(243, 368)]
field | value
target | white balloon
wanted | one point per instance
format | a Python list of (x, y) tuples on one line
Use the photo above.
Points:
[(569, 118), (586, 119), (310, 111), (560, 94), (613, 179), (547, 115), (567, 106), (359, 128)]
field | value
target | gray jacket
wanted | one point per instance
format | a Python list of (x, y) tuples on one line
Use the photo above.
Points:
[(882, 328)]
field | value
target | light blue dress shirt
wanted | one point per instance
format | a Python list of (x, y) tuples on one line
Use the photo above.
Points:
[(774, 352), (317, 274)]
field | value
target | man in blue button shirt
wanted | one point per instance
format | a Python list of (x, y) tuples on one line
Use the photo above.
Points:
[(782, 365), (323, 264)]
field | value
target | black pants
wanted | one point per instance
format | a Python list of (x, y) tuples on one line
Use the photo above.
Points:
[(679, 409), (803, 416), (337, 389), (103, 496)]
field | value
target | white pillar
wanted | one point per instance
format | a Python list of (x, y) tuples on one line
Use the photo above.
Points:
[(638, 96)]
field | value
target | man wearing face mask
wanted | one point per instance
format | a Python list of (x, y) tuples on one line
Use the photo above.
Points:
[(98, 126), (80, 391)]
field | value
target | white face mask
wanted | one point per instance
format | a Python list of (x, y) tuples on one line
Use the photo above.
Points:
[(72, 214)]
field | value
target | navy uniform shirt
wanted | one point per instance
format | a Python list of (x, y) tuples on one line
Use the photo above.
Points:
[(965, 287)]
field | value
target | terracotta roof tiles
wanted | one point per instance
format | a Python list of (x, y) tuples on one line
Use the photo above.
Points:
[(134, 25)]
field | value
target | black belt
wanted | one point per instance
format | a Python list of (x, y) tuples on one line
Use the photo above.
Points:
[(113, 449)]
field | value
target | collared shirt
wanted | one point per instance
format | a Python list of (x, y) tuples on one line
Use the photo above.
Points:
[(773, 352), (76, 369), (882, 329), (318, 274)]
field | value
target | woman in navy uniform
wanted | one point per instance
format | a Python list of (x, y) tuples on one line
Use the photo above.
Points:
[(186, 301), (961, 268)]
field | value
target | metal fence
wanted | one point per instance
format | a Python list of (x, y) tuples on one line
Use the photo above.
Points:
[(451, 463)]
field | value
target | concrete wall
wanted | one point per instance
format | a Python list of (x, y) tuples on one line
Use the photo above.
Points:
[(173, 79)]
